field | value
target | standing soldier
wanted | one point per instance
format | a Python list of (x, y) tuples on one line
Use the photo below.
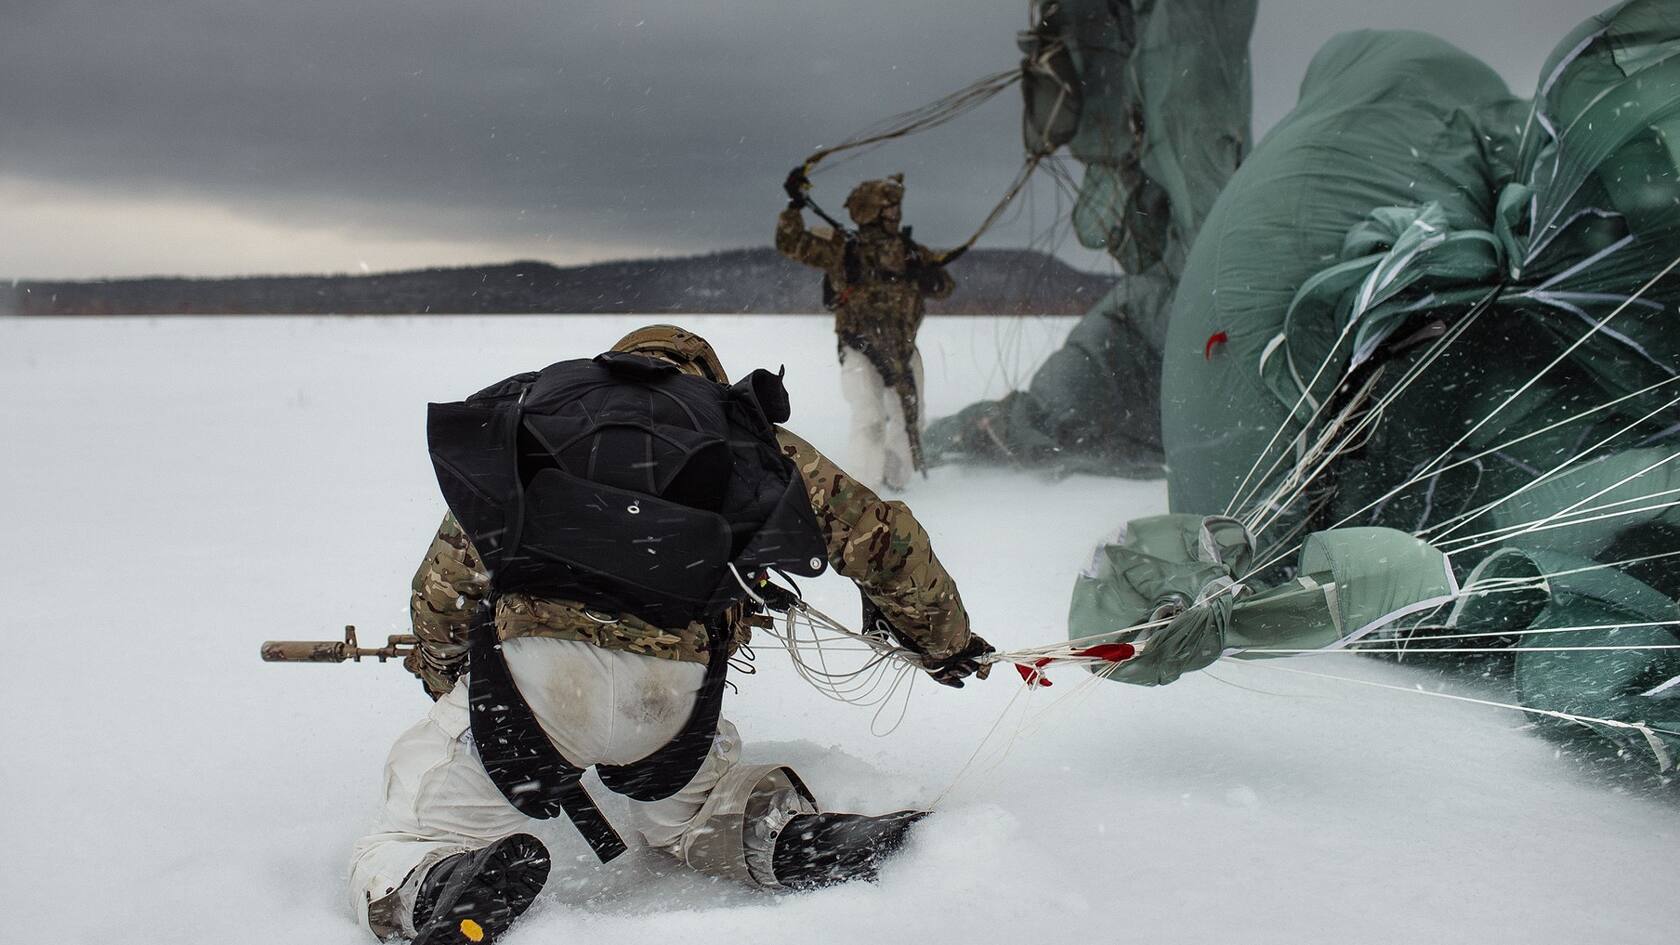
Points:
[(874, 280), (553, 643)]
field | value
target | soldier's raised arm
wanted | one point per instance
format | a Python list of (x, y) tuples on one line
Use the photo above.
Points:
[(796, 242), (880, 546), (446, 590)]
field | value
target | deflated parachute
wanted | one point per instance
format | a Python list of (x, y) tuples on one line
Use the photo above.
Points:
[(1424, 358), (1414, 374), (1153, 98)]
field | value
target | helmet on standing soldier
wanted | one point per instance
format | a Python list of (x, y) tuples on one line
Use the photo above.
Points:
[(868, 199)]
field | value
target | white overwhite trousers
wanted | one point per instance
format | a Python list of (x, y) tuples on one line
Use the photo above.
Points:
[(597, 705), (880, 440)]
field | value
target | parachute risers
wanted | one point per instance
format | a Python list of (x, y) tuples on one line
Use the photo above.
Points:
[(1032, 673)]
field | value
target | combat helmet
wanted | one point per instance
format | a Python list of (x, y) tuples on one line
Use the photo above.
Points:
[(688, 351), (869, 198)]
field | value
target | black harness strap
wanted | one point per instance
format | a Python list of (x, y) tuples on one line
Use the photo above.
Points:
[(668, 770), (539, 782), (521, 761)]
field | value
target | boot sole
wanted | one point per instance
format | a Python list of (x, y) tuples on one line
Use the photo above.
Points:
[(484, 895), (827, 849)]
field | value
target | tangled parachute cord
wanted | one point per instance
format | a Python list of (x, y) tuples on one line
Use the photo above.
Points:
[(923, 118)]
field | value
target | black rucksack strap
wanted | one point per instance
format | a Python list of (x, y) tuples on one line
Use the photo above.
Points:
[(521, 761)]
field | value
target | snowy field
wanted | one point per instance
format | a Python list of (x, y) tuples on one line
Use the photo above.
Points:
[(177, 491)]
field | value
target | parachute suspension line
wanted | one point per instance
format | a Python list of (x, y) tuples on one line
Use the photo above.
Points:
[(1463, 518), (1009, 341), (1325, 450), (1438, 533), (1580, 521), (1048, 241), (1066, 648), (1583, 628), (1031, 722), (1080, 692), (1651, 734), (1413, 372), (887, 677), (1015, 188), (1406, 380), (1599, 566), (878, 682), (1465, 649), (1239, 499), (921, 118), (926, 117), (1522, 528), (1244, 497), (984, 741), (1596, 328), (1290, 417), (1572, 418), (1289, 540)]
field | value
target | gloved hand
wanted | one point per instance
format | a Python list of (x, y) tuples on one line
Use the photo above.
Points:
[(951, 670), (795, 187), (776, 597)]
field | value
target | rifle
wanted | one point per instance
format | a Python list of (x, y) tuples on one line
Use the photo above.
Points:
[(397, 646)]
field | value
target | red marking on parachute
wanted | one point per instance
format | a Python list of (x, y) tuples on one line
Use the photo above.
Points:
[(1031, 674), (1217, 338), (1109, 652)]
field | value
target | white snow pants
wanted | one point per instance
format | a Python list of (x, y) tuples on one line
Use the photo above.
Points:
[(880, 441), (597, 705)]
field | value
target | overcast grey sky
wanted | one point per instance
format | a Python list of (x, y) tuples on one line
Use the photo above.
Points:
[(209, 137)]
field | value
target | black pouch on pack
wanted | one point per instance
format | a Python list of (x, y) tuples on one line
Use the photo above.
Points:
[(627, 486)]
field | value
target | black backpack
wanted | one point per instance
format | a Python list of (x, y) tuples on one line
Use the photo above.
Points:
[(625, 485)]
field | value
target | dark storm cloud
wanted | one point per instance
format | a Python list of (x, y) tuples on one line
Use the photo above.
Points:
[(671, 121), (666, 125)]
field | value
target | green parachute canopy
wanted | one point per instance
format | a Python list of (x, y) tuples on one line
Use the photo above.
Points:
[(1161, 122), (1419, 374)]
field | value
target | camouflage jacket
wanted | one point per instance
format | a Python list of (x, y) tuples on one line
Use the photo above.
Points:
[(876, 543), (879, 284)]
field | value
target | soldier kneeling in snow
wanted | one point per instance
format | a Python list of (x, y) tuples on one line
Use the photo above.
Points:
[(609, 522)]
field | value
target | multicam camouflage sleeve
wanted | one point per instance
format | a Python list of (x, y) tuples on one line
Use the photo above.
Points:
[(881, 546), (794, 241), (933, 280), (446, 591)]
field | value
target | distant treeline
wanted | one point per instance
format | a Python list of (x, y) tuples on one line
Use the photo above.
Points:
[(989, 282)]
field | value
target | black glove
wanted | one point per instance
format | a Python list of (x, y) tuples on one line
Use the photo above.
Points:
[(951, 670), (775, 596), (795, 187)]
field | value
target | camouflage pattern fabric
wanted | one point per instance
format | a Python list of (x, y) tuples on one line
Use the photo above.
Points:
[(878, 308), (880, 545), (866, 201), (450, 583), (445, 592)]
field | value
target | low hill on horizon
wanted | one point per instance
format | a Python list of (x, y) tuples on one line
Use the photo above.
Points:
[(758, 281)]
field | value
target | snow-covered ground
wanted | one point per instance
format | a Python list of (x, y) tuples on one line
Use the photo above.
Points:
[(177, 491)]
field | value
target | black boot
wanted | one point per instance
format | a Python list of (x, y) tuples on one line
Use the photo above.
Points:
[(816, 850), (471, 898)]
